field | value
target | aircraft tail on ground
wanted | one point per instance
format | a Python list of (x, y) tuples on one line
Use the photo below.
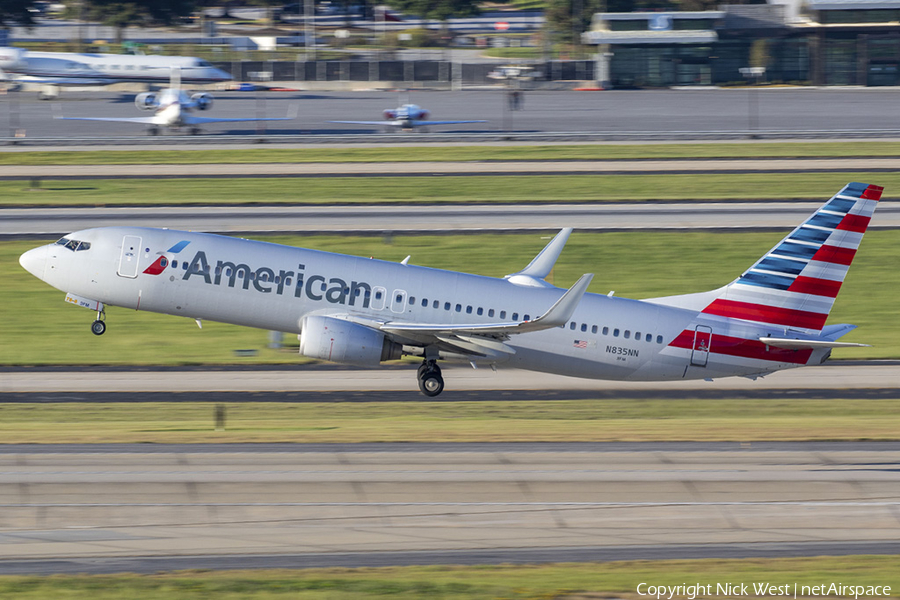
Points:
[(793, 286)]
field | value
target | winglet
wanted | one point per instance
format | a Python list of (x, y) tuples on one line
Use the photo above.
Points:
[(533, 275), (560, 313)]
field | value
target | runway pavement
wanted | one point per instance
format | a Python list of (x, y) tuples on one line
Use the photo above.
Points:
[(418, 218), (831, 378), (140, 509), (686, 113)]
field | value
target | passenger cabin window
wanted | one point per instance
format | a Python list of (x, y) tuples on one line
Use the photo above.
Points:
[(480, 311), (468, 310), (459, 308), (584, 326), (593, 329), (572, 325), (437, 304), (515, 317), (659, 339), (491, 312), (649, 338), (503, 314), (446, 306), (627, 334), (606, 331), (615, 333)]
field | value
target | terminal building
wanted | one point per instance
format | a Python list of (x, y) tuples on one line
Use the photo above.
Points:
[(810, 42)]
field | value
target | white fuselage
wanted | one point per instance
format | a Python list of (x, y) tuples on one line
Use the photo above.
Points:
[(273, 287), (71, 68)]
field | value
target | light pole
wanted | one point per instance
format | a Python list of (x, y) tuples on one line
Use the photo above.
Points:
[(752, 98)]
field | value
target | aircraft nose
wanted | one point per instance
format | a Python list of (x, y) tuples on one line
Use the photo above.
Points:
[(34, 261)]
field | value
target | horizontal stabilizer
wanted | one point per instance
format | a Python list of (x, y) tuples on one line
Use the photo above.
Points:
[(798, 344)]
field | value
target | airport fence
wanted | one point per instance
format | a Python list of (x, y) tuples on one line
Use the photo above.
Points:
[(416, 71)]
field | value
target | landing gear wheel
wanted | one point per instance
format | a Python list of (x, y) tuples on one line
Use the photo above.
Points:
[(430, 381), (195, 131), (153, 130), (98, 327)]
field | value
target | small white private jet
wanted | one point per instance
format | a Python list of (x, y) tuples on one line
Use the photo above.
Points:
[(52, 70), (406, 117), (172, 109), (362, 311)]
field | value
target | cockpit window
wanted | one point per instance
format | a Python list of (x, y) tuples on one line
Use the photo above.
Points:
[(203, 63), (73, 245)]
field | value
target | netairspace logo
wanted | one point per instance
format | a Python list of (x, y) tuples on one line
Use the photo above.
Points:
[(692, 591)]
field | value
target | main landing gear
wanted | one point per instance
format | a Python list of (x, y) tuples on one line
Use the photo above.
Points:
[(98, 327), (430, 381)]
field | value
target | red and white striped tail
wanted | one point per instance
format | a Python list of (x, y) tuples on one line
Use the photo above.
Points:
[(794, 285)]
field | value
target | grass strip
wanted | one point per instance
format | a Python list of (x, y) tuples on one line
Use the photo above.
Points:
[(453, 153), (39, 328), (499, 189), (587, 420), (571, 581)]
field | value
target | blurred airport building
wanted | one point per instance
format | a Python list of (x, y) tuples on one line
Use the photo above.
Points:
[(817, 42)]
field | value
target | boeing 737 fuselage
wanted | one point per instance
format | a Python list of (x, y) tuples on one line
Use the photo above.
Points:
[(363, 311)]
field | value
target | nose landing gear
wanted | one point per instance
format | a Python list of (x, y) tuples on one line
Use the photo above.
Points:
[(98, 327), (430, 381)]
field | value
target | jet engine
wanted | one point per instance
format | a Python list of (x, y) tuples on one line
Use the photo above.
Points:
[(203, 101), (341, 341), (11, 57), (146, 101)]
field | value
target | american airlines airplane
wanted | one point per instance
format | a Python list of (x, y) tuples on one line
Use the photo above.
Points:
[(363, 311), (407, 116), (55, 69)]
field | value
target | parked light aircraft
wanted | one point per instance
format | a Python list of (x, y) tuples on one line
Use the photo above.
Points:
[(406, 116), (364, 311), (172, 107), (55, 69)]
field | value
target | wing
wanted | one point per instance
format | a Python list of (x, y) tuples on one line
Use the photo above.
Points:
[(145, 120), (367, 122), (191, 120), (444, 122)]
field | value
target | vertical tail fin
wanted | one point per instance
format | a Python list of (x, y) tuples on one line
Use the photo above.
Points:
[(794, 285), (175, 78)]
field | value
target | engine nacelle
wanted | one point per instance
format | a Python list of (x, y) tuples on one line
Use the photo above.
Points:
[(11, 57), (340, 341), (146, 101), (203, 101)]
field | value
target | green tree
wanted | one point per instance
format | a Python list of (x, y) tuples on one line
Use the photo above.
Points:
[(440, 10), (119, 14), (566, 20), (15, 12)]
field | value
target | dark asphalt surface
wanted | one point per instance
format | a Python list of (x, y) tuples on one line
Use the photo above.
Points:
[(153, 564), (658, 111), (450, 396)]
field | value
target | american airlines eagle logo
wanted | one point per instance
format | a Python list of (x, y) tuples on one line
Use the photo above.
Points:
[(160, 264)]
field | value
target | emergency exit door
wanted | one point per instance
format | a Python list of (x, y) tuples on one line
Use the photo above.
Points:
[(702, 343)]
